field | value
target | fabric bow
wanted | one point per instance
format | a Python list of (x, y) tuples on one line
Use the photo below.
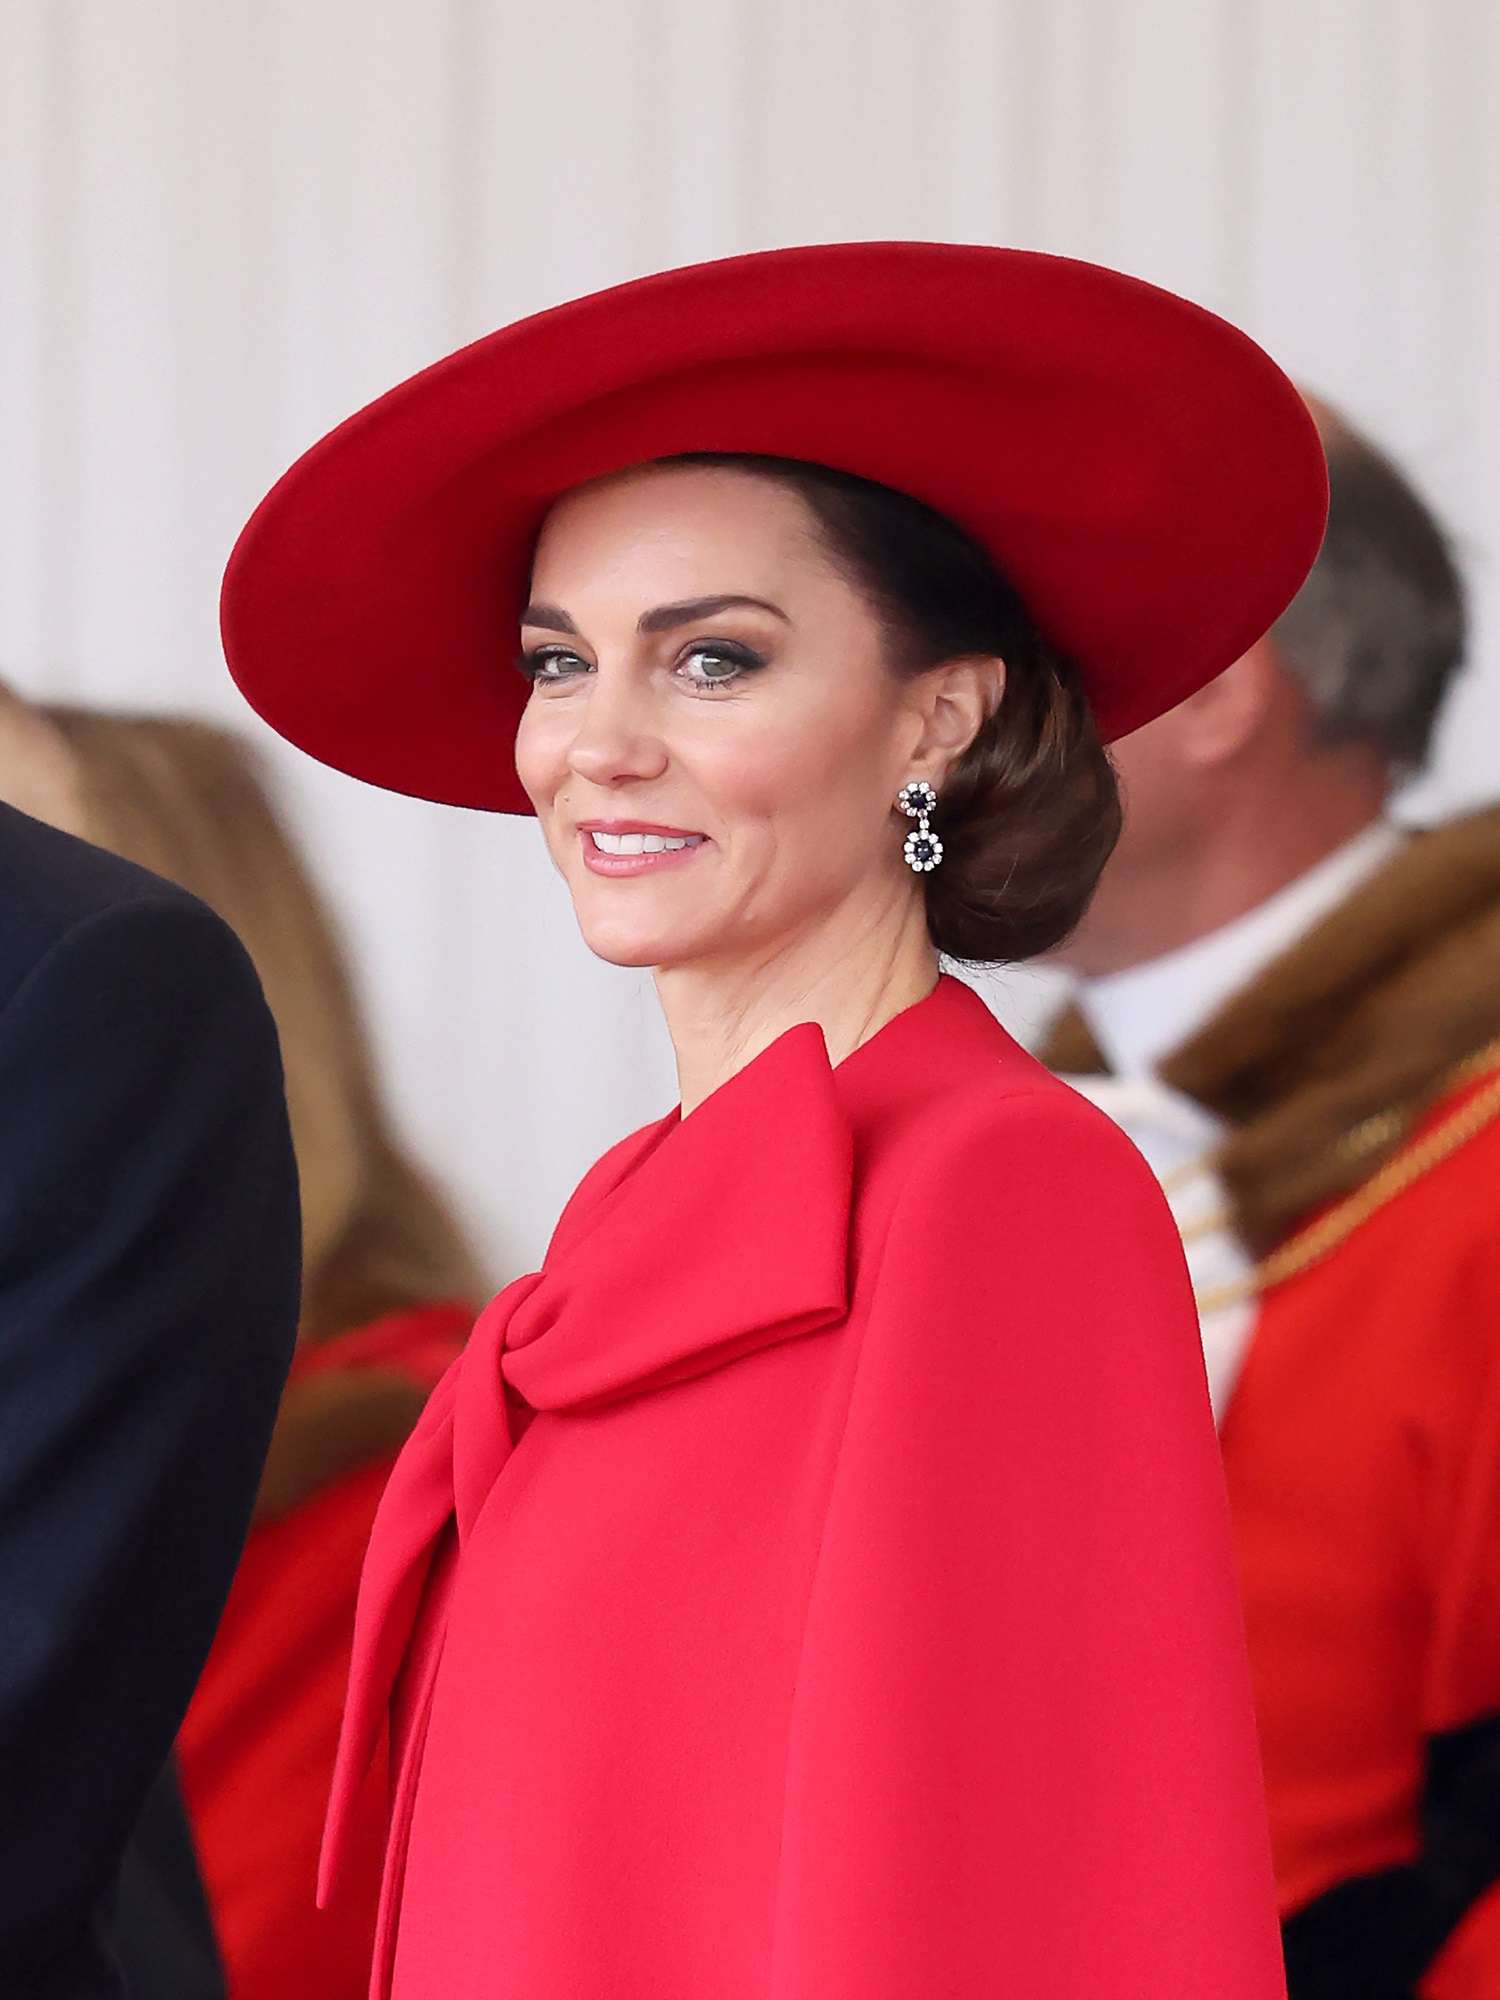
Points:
[(696, 1242)]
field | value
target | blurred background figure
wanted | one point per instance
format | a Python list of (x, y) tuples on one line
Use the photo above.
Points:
[(387, 1301), (1293, 1004), (148, 1304)]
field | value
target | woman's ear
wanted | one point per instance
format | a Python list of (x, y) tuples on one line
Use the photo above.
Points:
[(958, 699)]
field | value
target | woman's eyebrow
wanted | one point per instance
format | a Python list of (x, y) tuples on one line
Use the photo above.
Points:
[(550, 618), (665, 616)]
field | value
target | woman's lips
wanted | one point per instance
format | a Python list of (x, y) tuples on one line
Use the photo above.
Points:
[(632, 848)]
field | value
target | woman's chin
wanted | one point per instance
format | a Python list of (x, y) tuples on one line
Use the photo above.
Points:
[(635, 944), (617, 953)]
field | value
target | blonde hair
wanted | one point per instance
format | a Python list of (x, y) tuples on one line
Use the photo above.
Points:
[(185, 799)]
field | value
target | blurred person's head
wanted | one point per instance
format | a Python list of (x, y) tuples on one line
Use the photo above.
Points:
[(1300, 744), (183, 799), (38, 773)]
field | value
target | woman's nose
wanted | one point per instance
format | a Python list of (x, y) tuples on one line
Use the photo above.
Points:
[(617, 739)]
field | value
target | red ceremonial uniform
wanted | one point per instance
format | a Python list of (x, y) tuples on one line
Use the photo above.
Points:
[(1356, 1078), (815, 1582), (1362, 1448)]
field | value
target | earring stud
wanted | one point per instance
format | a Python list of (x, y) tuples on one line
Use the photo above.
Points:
[(922, 849)]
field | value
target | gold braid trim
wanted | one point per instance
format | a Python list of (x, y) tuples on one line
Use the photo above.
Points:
[(1319, 1239)]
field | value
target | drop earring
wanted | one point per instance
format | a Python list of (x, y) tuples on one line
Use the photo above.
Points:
[(922, 848)]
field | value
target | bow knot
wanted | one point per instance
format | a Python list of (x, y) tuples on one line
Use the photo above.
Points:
[(693, 1244)]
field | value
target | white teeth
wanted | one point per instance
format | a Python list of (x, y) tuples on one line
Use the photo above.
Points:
[(639, 843)]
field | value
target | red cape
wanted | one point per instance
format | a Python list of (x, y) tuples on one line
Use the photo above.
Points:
[(854, 1615)]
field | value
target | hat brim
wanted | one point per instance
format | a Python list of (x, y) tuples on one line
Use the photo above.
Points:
[(1145, 476)]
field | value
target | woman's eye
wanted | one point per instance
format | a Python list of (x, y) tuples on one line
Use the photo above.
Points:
[(704, 668), (716, 666), (550, 664)]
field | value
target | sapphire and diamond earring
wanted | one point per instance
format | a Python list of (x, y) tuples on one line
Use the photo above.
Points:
[(923, 850)]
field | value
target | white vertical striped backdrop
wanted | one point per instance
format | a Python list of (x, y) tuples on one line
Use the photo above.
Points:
[(227, 225)]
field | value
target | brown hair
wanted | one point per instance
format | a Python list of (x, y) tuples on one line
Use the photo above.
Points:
[(1030, 812), (185, 799)]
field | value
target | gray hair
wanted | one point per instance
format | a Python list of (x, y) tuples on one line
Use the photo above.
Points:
[(1376, 634)]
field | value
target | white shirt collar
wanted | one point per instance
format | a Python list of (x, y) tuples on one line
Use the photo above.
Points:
[(1139, 1016)]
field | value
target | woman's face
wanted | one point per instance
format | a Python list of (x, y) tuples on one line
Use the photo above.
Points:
[(713, 742)]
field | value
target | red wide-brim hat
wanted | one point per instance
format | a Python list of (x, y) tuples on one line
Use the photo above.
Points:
[(1143, 473)]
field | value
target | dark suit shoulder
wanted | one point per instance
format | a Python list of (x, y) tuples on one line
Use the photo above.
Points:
[(148, 1308), (51, 883)]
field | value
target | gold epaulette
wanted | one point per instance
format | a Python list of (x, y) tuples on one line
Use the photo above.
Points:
[(1319, 1238)]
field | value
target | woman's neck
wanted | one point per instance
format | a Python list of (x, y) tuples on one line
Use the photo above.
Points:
[(722, 1016)]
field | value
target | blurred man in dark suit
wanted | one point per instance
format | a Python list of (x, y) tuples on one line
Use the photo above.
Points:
[(148, 1307)]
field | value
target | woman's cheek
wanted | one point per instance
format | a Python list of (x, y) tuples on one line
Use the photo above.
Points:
[(540, 764)]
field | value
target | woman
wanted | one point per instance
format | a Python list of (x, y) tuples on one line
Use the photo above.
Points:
[(814, 1581), (386, 1275)]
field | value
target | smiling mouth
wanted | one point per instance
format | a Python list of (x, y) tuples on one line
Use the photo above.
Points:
[(637, 850), (642, 843)]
